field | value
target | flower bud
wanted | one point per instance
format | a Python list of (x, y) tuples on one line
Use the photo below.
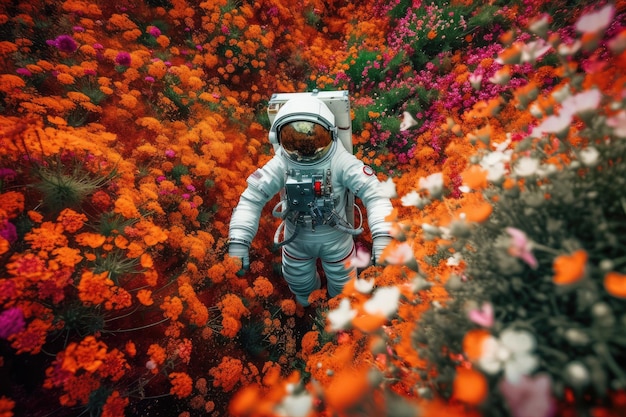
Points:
[(576, 375), (576, 337)]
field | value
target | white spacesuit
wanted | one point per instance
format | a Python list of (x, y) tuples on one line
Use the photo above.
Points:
[(315, 175)]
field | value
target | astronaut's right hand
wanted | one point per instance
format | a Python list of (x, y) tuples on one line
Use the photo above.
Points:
[(241, 251)]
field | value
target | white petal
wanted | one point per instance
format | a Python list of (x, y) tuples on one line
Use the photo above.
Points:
[(341, 317), (385, 301), (517, 340)]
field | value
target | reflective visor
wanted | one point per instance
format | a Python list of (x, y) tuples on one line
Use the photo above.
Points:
[(305, 140)]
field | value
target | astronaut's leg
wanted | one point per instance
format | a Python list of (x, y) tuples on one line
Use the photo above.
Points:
[(300, 271), (334, 255)]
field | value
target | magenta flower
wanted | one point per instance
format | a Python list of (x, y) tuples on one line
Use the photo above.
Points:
[(8, 231), (123, 58), (154, 31), (521, 247), (170, 153), (530, 396), (482, 316), (64, 43), (11, 322)]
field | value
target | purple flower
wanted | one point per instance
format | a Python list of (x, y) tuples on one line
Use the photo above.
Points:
[(64, 43), (154, 31), (7, 174), (123, 58), (11, 322), (530, 396), (8, 231), (24, 72), (191, 188), (170, 153)]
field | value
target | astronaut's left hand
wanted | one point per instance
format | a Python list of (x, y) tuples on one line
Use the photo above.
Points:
[(379, 244)]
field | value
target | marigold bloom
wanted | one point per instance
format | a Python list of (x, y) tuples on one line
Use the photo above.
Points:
[(172, 307), (31, 339), (145, 297), (227, 374), (88, 355), (114, 365), (12, 202), (93, 240), (47, 237), (6, 406), (157, 354), (347, 388), (615, 284), (182, 384), (263, 287), (94, 288), (114, 405), (470, 386), (569, 269)]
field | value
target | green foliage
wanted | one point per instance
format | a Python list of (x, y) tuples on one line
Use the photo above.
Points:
[(66, 185)]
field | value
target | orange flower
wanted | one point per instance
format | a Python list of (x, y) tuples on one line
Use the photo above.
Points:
[(145, 297), (182, 384), (157, 354), (47, 237), (94, 288), (475, 177), (569, 269), (227, 374), (93, 240), (347, 388), (615, 284), (88, 355), (114, 405), (31, 339), (473, 342), (263, 287), (130, 348), (172, 307), (288, 306), (470, 386), (6, 407), (114, 365)]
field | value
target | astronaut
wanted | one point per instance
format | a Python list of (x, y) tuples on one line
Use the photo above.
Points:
[(314, 174)]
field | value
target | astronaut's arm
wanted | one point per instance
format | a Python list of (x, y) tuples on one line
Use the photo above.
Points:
[(363, 182), (263, 184)]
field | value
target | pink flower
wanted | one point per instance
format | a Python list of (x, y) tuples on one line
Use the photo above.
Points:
[(521, 246), (11, 322), (596, 21), (64, 43), (123, 59), (361, 259), (482, 316), (530, 396), (618, 123)]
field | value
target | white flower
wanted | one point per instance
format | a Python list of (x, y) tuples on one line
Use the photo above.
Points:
[(511, 352), (388, 189), (526, 167), (558, 124), (455, 260), (495, 163), (364, 286), (401, 254), (414, 198), (341, 317), (475, 80), (534, 50), (571, 49), (596, 21), (384, 302), (540, 25), (433, 183), (296, 405), (618, 123), (407, 121), (589, 156), (582, 102)]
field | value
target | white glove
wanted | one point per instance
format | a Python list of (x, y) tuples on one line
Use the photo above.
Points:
[(379, 243), (241, 251)]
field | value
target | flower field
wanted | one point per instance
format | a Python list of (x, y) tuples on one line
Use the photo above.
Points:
[(128, 130)]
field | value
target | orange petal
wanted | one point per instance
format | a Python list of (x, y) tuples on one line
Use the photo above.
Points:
[(369, 323), (475, 177), (568, 269), (347, 388), (615, 284), (469, 386), (473, 343)]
